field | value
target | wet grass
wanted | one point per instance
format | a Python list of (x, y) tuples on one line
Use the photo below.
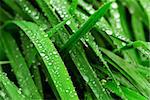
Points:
[(74, 49)]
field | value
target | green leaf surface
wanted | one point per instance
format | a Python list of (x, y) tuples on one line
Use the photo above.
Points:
[(86, 27), (54, 64)]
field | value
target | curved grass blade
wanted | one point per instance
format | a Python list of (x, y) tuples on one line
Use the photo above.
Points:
[(19, 66), (86, 27), (78, 57), (30, 53), (130, 69), (13, 92), (29, 50), (91, 79), (51, 58), (130, 94), (95, 48)]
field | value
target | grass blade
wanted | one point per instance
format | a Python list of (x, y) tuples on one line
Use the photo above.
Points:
[(54, 64), (140, 81), (19, 67), (86, 27), (13, 92), (130, 94)]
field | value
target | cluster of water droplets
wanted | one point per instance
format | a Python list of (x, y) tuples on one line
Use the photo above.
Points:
[(52, 60), (28, 9), (6, 83), (60, 7), (86, 6), (3, 95), (33, 13), (144, 52)]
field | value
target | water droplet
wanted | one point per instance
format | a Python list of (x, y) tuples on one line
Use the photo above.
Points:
[(109, 32), (116, 15), (86, 78), (46, 35), (37, 17), (67, 91), (31, 45), (42, 54), (103, 89), (26, 8), (54, 52), (114, 5), (68, 22), (46, 79), (123, 44), (2, 94)]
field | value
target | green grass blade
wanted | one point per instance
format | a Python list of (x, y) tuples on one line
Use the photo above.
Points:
[(15, 8), (91, 79), (86, 27), (140, 82), (80, 59), (54, 64), (19, 67), (37, 78), (33, 13), (13, 92), (146, 5), (95, 47), (137, 11), (138, 29), (73, 7), (57, 27), (130, 94)]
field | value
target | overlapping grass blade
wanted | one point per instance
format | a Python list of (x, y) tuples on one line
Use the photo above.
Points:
[(13, 92), (79, 58), (146, 4), (136, 10), (130, 69), (54, 64), (86, 27), (15, 8), (19, 66), (130, 94), (33, 13), (57, 27), (95, 48)]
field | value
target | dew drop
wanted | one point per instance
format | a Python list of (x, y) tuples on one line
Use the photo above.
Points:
[(46, 35), (68, 22), (36, 17), (109, 32), (2, 94), (54, 52), (86, 78), (114, 5)]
